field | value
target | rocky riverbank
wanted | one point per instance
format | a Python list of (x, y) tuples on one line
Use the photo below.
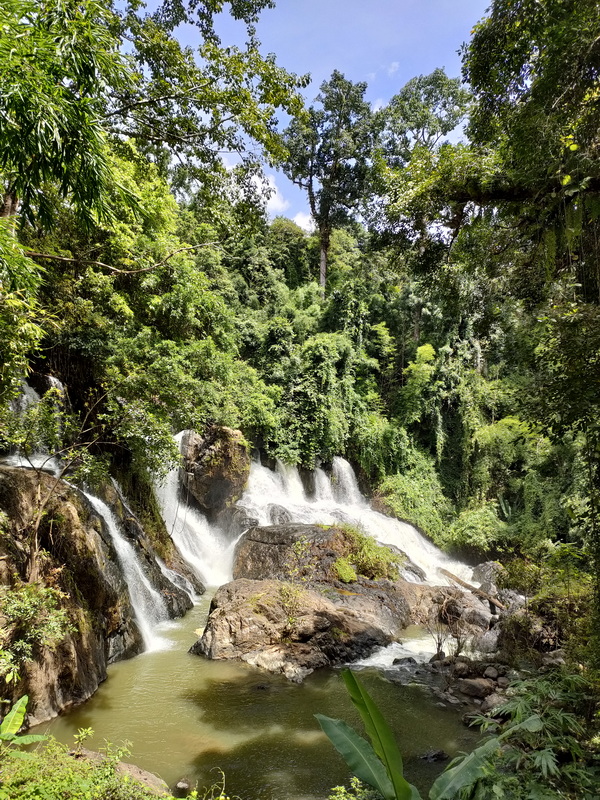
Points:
[(288, 610)]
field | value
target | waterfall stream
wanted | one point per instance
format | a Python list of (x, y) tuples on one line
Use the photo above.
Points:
[(148, 605), (205, 547), (338, 499)]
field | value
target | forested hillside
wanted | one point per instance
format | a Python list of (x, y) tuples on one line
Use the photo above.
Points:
[(440, 328)]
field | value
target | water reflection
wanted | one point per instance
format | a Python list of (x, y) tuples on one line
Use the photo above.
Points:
[(187, 716)]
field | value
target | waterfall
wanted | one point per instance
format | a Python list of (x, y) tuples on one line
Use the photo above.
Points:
[(205, 547), (339, 500), (26, 398), (179, 581), (148, 605)]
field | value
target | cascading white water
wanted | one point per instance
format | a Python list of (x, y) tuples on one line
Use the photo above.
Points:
[(179, 581), (340, 500), (148, 605), (26, 398), (205, 547)]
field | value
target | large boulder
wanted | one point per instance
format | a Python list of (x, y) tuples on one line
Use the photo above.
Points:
[(286, 628), (216, 466), (277, 551), (287, 610)]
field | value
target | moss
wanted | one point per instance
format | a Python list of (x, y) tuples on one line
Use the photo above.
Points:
[(374, 561), (344, 569)]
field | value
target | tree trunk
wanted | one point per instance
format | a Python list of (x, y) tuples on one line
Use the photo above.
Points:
[(325, 238), (9, 205)]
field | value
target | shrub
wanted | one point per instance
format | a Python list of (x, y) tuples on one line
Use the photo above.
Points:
[(478, 529), (51, 773), (345, 571), (417, 497), (374, 561)]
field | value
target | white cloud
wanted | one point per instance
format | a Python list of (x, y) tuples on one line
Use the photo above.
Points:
[(304, 221), (276, 204), (393, 68), (378, 104)]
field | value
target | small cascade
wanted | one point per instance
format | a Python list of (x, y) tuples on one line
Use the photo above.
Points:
[(148, 605), (323, 487), (176, 580), (180, 581), (205, 547), (26, 398), (340, 500), (40, 460), (345, 485), (291, 481)]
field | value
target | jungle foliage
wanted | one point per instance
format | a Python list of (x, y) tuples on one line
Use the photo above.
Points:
[(440, 328), (453, 354)]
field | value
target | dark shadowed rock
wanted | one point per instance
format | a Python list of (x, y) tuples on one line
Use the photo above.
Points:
[(268, 552), (215, 467)]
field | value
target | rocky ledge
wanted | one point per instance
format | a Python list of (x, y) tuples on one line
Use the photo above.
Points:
[(288, 612)]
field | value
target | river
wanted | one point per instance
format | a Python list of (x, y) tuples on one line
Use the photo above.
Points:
[(188, 717)]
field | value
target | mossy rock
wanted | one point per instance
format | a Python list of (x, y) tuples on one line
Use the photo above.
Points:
[(216, 467)]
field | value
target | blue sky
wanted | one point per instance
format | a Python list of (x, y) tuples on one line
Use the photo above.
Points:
[(382, 42)]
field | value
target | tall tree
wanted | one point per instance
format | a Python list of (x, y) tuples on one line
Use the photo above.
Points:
[(67, 89), (425, 110), (330, 151)]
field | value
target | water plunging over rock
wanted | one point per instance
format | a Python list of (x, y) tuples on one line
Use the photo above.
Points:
[(338, 499), (149, 606), (293, 621), (81, 560)]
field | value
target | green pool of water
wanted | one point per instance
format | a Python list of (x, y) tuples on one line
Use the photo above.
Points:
[(186, 716)]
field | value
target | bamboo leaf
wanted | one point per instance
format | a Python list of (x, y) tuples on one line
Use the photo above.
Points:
[(358, 754), (381, 736), (14, 719)]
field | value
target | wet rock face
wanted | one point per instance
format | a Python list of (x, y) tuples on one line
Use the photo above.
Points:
[(215, 468), (80, 562)]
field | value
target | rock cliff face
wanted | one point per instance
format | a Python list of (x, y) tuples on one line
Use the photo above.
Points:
[(73, 553), (215, 468)]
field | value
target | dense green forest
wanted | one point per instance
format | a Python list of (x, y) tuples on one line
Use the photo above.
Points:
[(440, 328)]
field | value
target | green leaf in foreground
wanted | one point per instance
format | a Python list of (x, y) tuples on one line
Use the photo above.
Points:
[(358, 755), (448, 785), (14, 719), (381, 736)]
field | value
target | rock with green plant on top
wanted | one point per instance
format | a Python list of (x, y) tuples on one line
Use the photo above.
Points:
[(216, 466), (287, 628)]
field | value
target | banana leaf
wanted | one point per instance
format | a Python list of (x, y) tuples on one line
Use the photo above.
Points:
[(448, 785), (14, 719), (381, 736), (358, 754)]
